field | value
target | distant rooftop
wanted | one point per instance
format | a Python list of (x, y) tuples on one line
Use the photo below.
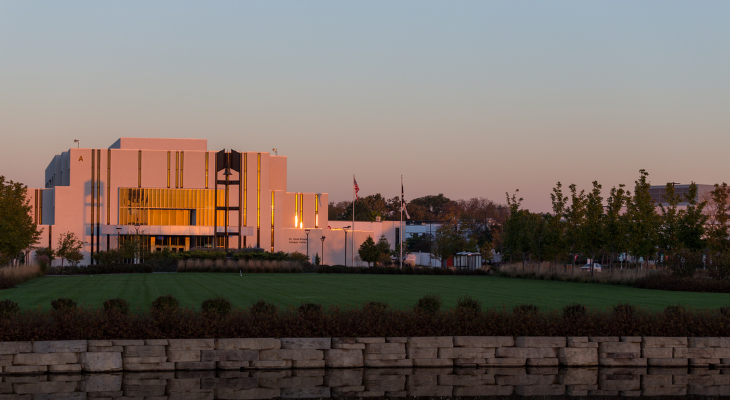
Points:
[(160, 144), (657, 192)]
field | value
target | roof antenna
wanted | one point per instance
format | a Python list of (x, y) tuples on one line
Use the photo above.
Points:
[(276, 152), (77, 143)]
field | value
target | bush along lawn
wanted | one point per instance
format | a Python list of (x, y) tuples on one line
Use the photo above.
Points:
[(217, 319)]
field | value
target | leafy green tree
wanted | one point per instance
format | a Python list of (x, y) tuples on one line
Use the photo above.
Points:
[(422, 243), (719, 219), (574, 217), (643, 218), (18, 232), (615, 222), (518, 232), (449, 240), (369, 251), (555, 226), (669, 221), (69, 248), (383, 245), (537, 224), (692, 221), (592, 230), (429, 208)]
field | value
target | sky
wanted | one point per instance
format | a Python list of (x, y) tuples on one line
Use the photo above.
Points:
[(468, 99)]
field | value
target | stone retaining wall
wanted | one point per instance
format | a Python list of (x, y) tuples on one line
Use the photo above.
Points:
[(369, 382), (297, 353)]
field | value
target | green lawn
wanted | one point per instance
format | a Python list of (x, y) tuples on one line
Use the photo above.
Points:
[(291, 289)]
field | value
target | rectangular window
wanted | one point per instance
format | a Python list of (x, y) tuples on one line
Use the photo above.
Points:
[(149, 206)]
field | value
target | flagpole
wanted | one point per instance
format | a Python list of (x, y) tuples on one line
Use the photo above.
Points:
[(401, 223), (353, 221)]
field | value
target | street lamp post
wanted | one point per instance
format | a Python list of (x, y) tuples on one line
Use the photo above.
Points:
[(321, 260), (345, 229), (119, 230), (306, 231)]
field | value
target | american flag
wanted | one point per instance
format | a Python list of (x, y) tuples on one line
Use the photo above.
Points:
[(357, 188)]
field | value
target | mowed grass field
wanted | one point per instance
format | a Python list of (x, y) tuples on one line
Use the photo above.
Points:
[(400, 291)]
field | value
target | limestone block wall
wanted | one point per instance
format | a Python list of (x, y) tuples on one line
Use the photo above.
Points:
[(300, 353), (369, 382)]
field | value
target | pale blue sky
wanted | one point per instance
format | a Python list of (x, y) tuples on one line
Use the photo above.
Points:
[(462, 98)]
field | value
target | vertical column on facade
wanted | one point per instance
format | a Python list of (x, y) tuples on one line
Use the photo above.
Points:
[(240, 204), (98, 198), (272, 220), (245, 193), (182, 167), (139, 169), (93, 182), (258, 200)]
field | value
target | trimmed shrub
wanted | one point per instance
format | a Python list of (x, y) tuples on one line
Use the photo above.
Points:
[(216, 307), (165, 304), (624, 310), (63, 304), (429, 304), (310, 308), (375, 306), (263, 307), (8, 307), (575, 310), (469, 303), (116, 306), (186, 323), (674, 310), (725, 311), (526, 309)]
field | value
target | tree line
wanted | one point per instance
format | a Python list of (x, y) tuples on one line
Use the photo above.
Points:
[(584, 224)]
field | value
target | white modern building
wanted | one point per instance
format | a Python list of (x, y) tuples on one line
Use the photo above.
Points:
[(177, 194)]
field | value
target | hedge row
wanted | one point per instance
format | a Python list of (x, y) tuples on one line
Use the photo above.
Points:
[(102, 269), (166, 320), (406, 270), (680, 284)]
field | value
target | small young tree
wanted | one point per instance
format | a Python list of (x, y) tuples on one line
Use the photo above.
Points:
[(669, 217), (44, 256), (17, 230), (644, 220), (692, 221), (719, 221), (69, 248), (575, 217), (592, 232), (615, 225), (369, 251)]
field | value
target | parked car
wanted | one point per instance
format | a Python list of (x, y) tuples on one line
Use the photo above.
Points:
[(587, 267)]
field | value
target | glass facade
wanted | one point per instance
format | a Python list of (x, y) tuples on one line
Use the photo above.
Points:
[(152, 206)]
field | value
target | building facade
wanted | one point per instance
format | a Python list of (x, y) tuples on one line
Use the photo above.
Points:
[(176, 194)]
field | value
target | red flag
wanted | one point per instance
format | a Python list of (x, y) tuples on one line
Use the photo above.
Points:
[(357, 188)]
